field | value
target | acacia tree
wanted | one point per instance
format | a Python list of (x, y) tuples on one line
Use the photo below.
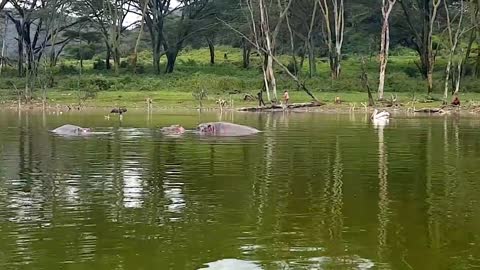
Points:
[(304, 20), (195, 20), (139, 37), (333, 28), (420, 16), (387, 6), (108, 17), (265, 38), (473, 10), (117, 11), (37, 24), (455, 29), (156, 12)]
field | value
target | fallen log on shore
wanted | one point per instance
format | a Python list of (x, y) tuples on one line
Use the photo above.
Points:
[(275, 107), (429, 110)]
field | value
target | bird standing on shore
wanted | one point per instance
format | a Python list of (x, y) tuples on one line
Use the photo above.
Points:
[(119, 111)]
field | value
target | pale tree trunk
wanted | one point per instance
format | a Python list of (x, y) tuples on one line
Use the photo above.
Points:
[(453, 40), (117, 17), (312, 65), (339, 17), (387, 6), (269, 73), (292, 47), (4, 45), (458, 78), (256, 43), (430, 54), (268, 42), (333, 39), (269, 53), (423, 39), (139, 37)]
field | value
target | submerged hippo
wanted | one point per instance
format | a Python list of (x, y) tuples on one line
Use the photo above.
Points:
[(173, 130), (225, 129), (71, 130)]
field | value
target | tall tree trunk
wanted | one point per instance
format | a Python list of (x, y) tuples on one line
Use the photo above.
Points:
[(292, 48), (20, 60), (269, 72), (139, 37), (333, 39), (430, 53), (211, 48), (384, 44), (453, 40), (171, 59), (302, 59), (108, 66), (447, 76), (423, 39), (364, 77), (312, 65), (458, 78), (477, 68), (4, 44), (156, 62), (468, 52), (246, 54), (116, 59), (157, 49)]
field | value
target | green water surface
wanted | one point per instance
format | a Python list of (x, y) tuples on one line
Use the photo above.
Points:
[(312, 191)]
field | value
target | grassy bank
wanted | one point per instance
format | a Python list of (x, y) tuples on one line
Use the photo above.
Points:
[(225, 79)]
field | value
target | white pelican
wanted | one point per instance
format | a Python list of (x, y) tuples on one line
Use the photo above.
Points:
[(384, 115)]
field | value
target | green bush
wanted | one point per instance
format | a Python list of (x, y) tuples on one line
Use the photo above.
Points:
[(412, 72), (63, 68), (99, 64)]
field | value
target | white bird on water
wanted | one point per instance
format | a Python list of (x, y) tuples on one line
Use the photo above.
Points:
[(384, 115)]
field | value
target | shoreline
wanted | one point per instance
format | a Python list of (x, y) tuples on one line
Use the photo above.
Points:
[(327, 108)]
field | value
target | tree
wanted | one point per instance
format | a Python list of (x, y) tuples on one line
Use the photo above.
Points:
[(304, 19), (333, 31), (194, 20), (37, 24), (420, 16), (139, 37), (455, 29), (265, 38), (387, 6)]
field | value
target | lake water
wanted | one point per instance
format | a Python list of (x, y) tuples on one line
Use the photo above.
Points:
[(313, 191)]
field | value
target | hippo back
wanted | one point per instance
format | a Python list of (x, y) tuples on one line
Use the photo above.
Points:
[(68, 130), (225, 129)]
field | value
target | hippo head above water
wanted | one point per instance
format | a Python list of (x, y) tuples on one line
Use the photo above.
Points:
[(173, 130), (206, 128), (71, 130)]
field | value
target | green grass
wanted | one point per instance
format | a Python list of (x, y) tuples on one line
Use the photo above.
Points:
[(226, 79)]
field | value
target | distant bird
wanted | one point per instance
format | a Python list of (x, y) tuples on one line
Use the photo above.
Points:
[(384, 115), (119, 110)]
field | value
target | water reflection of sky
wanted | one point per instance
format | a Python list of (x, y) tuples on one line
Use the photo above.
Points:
[(132, 184), (173, 190)]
